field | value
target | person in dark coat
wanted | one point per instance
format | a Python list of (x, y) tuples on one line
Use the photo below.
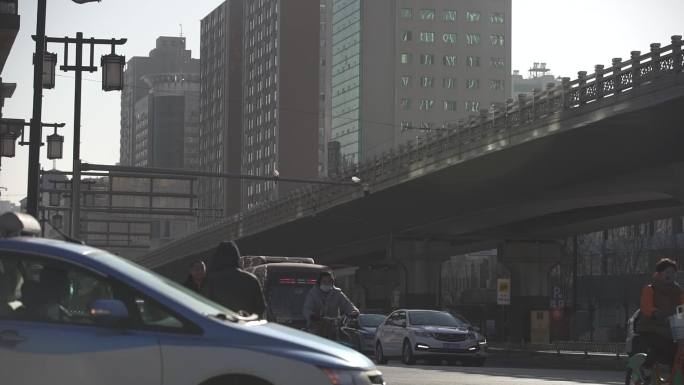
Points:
[(231, 286), (197, 278)]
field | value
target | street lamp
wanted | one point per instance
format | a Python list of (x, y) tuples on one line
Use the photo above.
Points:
[(49, 64), (7, 148), (57, 221), (112, 71), (55, 143)]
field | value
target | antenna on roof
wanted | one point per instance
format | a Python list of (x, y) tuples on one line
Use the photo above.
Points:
[(181, 29)]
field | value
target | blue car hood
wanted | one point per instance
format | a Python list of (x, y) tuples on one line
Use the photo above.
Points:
[(279, 340)]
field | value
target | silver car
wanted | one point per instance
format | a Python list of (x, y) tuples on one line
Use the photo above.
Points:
[(428, 334)]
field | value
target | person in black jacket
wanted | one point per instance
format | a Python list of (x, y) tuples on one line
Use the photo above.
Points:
[(231, 286)]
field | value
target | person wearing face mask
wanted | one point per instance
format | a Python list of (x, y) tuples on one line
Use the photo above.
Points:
[(659, 300), (325, 300)]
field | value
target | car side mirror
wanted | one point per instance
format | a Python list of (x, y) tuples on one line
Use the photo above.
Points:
[(108, 312)]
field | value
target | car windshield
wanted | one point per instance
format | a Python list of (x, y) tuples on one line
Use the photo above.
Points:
[(371, 320), (163, 285), (434, 318), (287, 300)]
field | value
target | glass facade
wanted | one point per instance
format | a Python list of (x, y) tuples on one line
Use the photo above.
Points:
[(346, 77)]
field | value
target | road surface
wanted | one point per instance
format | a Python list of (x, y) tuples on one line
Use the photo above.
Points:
[(396, 374)]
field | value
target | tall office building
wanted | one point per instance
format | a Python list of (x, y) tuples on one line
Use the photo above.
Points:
[(398, 66), (281, 91), (166, 126), (221, 61), (168, 57), (259, 99)]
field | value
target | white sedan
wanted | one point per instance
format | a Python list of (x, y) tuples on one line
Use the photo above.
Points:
[(429, 334)]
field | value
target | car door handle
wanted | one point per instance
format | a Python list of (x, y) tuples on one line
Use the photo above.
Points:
[(11, 337)]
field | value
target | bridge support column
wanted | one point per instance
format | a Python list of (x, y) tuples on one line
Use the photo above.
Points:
[(529, 264), (422, 272)]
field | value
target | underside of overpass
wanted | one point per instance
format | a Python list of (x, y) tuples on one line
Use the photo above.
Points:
[(616, 163)]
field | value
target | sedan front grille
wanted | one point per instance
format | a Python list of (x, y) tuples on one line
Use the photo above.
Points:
[(450, 337)]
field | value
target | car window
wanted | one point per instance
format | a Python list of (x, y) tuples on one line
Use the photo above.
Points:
[(43, 290), (49, 291), (401, 319), (434, 318)]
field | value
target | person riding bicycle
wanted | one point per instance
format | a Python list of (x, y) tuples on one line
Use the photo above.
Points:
[(659, 300), (324, 302)]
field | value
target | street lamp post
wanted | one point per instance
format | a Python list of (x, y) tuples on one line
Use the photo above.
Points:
[(112, 80), (36, 119)]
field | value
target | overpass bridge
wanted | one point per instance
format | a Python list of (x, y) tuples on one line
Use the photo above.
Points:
[(599, 151)]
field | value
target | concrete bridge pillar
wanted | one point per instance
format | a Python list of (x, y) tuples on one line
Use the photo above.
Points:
[(529, 264), (421, 264)]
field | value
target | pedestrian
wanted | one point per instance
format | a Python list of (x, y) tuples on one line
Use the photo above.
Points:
[(231, 286), (197, 278)]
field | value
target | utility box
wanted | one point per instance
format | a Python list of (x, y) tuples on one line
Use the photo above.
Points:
[(540, 327)]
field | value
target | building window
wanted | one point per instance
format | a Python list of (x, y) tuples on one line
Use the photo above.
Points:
[(496, 85), (473, 61), (498, 62), (405, 81), (449, 15), (449, 82), (449, 60), (449, 105), (472, 106), (426, 104), (406, 13), (427, 14), (405, 104), (405, 58), (427, 81), (472, 83), (473, 38), (406, 36), (472, 16), (449, 38), (427, 59), (497, 40), (497, 18), (427, 37)]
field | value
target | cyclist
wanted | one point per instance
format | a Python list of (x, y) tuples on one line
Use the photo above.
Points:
[(325, 302), (659, 300)]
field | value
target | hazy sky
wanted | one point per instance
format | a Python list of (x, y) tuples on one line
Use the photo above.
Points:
[(569, 35)]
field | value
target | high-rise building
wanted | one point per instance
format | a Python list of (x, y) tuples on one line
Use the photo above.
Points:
[(221, 61), (168, 57), (281, 95), (166, 128), (259, 99), (397, 66)]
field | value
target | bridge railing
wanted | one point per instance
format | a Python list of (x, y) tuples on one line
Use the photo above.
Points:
[(511, 124)]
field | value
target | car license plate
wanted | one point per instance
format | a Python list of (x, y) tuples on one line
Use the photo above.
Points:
[(452, 346)]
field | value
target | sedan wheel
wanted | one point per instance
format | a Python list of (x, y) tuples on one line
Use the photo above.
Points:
[(379, 355), (407, 354)]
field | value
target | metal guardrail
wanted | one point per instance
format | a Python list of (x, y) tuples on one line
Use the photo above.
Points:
[(559, 347), (463, 141)]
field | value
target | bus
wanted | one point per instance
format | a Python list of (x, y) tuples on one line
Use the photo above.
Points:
[(285, 282)]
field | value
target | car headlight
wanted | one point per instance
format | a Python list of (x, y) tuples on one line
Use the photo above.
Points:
[(353, 377), (482, 341)]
